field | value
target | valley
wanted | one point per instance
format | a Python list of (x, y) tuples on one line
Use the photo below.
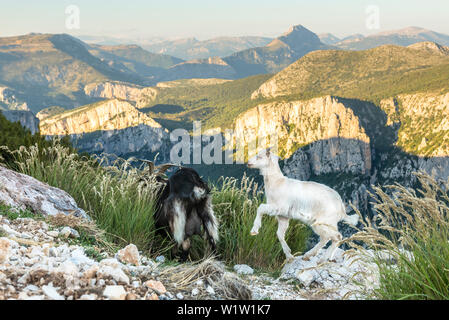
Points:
[(350, 119)]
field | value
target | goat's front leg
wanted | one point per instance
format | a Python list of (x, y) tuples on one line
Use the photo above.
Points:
[(261, 210)]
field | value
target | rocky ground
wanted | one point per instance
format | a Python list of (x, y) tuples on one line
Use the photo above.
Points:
[(41, 261)]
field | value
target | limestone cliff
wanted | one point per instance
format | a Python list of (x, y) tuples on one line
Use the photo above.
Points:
[(332, 135), (111, 126), (422, 130), (125, 91)]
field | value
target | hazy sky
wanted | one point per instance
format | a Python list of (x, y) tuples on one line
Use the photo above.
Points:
[(210, 18)]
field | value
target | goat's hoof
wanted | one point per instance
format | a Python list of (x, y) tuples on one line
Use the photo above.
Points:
[(254, 233)]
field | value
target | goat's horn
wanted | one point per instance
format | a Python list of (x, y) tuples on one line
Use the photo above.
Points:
[(164, 167), (150, 165)]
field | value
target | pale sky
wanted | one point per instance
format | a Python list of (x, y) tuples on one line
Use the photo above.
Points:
[(211, 18)]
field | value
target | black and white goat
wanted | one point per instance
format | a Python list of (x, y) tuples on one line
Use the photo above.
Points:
[(184, 206)]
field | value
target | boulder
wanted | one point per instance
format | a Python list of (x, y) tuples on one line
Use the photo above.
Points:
[(115, 293), (5, 250), (129, 254), (26, 193), (243, 269), (156, 286)]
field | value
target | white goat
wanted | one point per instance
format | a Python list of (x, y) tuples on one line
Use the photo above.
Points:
[(313, 203)]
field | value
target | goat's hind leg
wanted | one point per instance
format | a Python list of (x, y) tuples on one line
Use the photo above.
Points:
[(336, 237), (324, 238)]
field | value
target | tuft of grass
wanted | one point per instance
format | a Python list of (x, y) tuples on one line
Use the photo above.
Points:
[(111, 193), (413, 231)]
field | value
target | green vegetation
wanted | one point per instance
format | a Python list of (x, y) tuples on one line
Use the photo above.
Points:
[(14, 214), (123, 206), (370, 75), (417, 221), (216, 105)]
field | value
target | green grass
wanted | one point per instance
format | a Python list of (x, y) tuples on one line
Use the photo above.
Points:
[(417, 220), (14, 214), (123, 207)]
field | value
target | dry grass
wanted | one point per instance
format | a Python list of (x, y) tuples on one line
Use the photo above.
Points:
[(410, 238), (225, 284)]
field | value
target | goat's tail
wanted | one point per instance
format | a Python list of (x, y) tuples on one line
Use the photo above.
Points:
[(352, 219)]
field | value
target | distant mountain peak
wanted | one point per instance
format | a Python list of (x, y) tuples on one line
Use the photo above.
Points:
[(296, 28), (295, 37)]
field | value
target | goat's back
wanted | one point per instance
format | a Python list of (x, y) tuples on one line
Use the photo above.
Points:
[(186, 182)]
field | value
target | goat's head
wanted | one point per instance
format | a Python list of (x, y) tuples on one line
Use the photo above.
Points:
[(262, 160)]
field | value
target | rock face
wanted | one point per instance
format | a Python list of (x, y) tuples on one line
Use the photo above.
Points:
[(424, 122), (125, 91), (335, 278), (26, 119), (335, 139), (8, 98), (16, 110), (112, 126), (24, 192)]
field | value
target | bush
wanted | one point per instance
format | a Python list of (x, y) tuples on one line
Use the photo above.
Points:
[(123, 207), (414, 229)]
